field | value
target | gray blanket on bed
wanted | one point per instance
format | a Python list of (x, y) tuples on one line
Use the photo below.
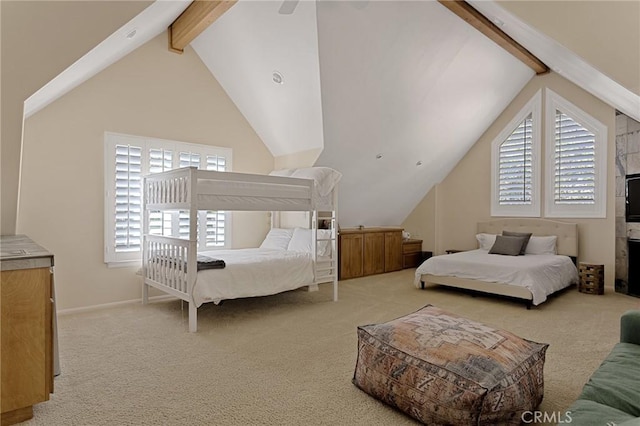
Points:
[(206, 262)]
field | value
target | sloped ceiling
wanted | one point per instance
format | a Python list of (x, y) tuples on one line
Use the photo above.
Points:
[(245, 47), (407, 80)]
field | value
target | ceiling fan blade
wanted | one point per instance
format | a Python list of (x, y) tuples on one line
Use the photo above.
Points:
[(287, 7), (361, 4)]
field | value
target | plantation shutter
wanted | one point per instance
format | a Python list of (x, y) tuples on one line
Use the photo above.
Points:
[(215, 220), (515, 185), (160, 160), (128, 198), (187, 159), (211, 223), (575, 167), (127, 159)]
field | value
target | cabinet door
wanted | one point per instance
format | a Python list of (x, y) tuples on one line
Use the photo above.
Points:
[(373, 253), (392, 251), (351, 252), (26, 316)]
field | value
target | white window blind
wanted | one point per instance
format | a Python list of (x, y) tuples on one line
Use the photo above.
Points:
[(211, 224), (515, 185), (127, 160), (515, 164), (160, 160), (127, 225), (575, 162)]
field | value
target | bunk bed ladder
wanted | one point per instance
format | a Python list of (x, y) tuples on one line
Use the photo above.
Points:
[(326, 269)]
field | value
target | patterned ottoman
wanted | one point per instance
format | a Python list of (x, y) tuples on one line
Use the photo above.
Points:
[(442, 369)]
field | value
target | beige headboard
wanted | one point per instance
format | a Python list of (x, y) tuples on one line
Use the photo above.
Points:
[(567, 233)]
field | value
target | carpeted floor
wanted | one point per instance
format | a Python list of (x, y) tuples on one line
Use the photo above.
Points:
[(288, 359)]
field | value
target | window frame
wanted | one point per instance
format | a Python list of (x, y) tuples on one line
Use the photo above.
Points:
[(111, 140), (555, 102), (533, 107)]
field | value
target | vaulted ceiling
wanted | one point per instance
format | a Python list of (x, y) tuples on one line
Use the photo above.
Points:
[(392, 93)]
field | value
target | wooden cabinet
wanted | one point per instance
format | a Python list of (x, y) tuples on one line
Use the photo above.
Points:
[(392, 251), (351, 253), (369, 251), (374, 253), (26, 330)]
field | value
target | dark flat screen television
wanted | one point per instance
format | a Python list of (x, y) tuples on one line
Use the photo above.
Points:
[(632, 191)]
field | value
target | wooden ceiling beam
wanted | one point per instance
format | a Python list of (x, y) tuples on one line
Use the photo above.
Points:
[(194, 20), (480, 22)]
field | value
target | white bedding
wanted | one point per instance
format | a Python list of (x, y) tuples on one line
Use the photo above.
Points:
[(252, 272), (540, 274)]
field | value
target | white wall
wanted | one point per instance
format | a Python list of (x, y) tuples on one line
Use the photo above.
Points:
[(151, 92)]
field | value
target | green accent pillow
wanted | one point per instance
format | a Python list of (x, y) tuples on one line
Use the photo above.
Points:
[(525, 235), (510, 246)]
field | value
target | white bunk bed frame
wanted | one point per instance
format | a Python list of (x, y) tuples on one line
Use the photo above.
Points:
[(170, 263)]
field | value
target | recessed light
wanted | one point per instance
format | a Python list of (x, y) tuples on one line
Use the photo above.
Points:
[(277, 77), (419, 163), (378, 156), (131, 34)]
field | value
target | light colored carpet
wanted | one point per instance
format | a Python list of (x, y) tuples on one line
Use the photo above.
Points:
[(288, 359)]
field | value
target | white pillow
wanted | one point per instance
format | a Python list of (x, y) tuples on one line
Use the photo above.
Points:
[(277, 238), (486, 241), (542, 245), (325, 178), (301, 241), (283, 172)]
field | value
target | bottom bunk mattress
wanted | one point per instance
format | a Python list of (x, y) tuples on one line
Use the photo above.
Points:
[(541, 274), (252, 272)]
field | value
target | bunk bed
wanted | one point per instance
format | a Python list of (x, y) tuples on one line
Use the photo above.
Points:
[(170, 263)]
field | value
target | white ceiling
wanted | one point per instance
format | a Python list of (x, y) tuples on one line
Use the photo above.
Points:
[(405, 79), (410, 81), (361, 79), (245, 47)]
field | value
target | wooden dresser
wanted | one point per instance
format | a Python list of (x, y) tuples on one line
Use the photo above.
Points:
[(369, 251), (26, 330)]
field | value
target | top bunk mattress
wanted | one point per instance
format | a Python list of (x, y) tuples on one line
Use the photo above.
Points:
[(252, 196), (541, 274)]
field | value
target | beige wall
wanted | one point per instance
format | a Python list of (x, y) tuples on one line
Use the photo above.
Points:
[(150, 92), (462, 199), (421, 223), (39, 40), (605, 33)]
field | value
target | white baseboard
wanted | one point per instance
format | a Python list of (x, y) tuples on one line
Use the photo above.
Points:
[(152, 299)]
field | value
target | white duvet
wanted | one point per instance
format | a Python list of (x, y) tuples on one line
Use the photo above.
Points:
[(252, 272), (541, 274)]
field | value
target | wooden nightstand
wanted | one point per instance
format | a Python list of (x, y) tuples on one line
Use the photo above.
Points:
[(412, 254)]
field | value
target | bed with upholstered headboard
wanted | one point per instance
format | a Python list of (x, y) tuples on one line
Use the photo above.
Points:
[(547, 266)]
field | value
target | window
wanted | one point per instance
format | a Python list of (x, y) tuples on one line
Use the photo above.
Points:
[(127, 160), (576, 147), (515, 157)]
